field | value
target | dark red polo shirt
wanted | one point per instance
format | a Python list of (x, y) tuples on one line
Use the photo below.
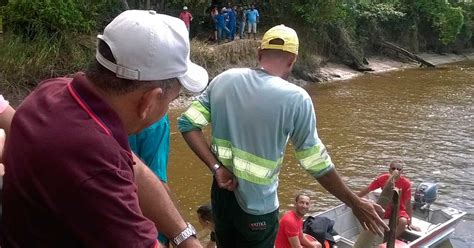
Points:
[(69, 178)]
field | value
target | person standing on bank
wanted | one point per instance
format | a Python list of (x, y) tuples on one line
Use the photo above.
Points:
[(186, 16), (252, 17), (254, 112), (72, 180), (290, 233)]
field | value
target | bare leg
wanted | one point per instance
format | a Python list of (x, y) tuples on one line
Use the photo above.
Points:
[(401, 226)]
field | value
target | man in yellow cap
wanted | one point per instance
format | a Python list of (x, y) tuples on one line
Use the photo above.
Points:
[(254, 112)]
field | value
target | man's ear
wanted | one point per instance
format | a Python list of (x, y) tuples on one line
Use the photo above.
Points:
[(148, 100), (292, 60), (259, 55)]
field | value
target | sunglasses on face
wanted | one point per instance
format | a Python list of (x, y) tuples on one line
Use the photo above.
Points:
[(395, 168)]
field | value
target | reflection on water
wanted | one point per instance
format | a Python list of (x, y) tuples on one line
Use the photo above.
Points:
[(422, 116)]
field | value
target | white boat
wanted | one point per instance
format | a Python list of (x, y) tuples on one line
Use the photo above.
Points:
[(436, 224)]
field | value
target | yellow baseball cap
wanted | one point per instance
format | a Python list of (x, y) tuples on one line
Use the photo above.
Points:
[(287, 34)]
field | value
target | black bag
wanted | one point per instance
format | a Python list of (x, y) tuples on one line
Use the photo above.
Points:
[(321, 228)]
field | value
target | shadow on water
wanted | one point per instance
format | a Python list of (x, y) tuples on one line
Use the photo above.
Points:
[(422, 116)]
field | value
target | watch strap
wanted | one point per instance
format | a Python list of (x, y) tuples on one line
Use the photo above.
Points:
[(185, 234), (215, 167)]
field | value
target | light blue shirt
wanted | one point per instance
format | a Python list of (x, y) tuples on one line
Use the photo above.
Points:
[(253, 116), (252, 16)]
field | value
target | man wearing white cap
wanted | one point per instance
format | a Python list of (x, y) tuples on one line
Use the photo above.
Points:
[(72, 179), (254, 113)]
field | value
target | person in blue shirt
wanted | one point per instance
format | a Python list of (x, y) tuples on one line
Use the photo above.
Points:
[(232, 24), (221, 27), (252, 20), (152, 145)]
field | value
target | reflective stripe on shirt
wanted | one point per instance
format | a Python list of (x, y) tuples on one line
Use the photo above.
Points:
[(246, 165), (198, 115)]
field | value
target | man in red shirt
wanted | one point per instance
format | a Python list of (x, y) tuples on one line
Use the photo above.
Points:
[(402, 183), (290, 232), (186, 16), (72, 180)]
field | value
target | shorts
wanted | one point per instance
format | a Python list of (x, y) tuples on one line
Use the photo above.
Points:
[(252, 28), (235, 228)]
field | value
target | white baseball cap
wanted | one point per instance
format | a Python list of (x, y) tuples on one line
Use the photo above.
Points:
[(185, 8), (148, 46)]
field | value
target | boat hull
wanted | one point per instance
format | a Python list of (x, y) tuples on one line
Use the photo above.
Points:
[(436, 225)]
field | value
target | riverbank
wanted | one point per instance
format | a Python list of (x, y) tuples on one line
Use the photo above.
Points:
[(334, 71)]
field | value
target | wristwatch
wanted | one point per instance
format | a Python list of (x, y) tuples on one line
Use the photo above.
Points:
[(214, 168), (185, 234)]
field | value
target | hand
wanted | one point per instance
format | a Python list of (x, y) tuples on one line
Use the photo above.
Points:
[(414, 228), (395, 175), (225, 179), (368, 215)]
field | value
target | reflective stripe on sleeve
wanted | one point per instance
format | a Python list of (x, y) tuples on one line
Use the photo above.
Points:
[(315, 160), (198, 115)]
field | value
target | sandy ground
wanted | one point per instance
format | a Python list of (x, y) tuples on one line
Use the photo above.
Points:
[(333, 71), (384, 64)]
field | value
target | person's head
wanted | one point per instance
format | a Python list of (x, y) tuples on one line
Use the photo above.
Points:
[(144, 57), (396, 165), (252, 6), (302, 202), (279, 48), (185, 8), (204, 213)]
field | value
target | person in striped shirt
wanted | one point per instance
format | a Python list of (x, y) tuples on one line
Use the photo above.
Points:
[(254, 113)]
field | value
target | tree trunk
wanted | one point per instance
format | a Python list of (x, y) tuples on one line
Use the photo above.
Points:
[(162, 6), (125, 4), (147, 4)]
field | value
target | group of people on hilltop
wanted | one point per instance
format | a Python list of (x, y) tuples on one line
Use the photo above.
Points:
[(234, 20), (80, 171)]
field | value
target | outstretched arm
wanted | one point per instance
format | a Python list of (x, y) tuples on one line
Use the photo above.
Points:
[(364, 210), (162, 212)]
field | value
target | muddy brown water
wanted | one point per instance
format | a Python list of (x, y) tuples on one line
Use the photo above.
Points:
[(422, 116)]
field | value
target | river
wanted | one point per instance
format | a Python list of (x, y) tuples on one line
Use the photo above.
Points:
[(423, 116)]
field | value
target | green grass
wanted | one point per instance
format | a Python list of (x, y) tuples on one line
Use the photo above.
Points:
[(23, 64)]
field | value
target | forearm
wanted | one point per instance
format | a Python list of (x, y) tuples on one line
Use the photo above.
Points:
[(162, 212), (6, 119), (198, 144), (305, 242), (333, 183), (363, 192), (409, 209)]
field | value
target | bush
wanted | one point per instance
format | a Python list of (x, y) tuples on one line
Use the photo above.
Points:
[(31, 18)]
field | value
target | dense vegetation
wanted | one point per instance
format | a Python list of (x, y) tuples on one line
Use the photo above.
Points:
[(45, 38)]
